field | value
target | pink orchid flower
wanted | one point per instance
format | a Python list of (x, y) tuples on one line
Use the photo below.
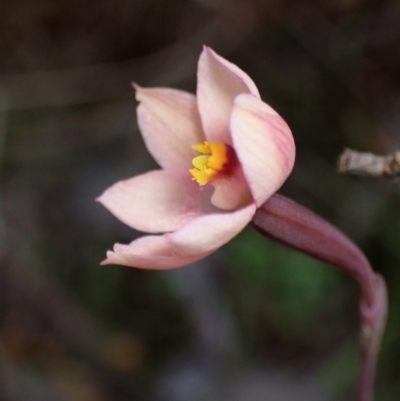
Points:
[(223, 153)]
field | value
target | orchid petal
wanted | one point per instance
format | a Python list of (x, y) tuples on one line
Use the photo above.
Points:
[(170, 125), (150, 252), (231, 192), (264, 145), (207, 233), (157, 201), (218, 83)]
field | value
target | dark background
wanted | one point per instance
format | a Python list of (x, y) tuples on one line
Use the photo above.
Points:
[(254, 321)]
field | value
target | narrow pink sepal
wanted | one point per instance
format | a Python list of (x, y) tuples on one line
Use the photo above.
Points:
[(218, 83), (209, 232), (150, 252), (294, 225), (170, 124), (157, 201), (264, 145)]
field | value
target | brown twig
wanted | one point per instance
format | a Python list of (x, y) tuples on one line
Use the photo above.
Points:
[(353, 162)]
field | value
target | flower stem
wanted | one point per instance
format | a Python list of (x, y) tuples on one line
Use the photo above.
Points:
[(294, 225)]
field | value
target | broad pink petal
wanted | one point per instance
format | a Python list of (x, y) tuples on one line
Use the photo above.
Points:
[(209, 232), (170, 125), (150, 252), (158, 201), (264, 145), (218, 83), (231, 192)]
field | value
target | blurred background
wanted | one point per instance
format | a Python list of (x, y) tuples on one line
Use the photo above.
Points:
[(255, 321)]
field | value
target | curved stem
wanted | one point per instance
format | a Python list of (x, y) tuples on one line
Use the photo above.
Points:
[(294, 225)]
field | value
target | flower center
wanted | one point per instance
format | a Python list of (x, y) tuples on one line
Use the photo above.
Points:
[(216, 158)]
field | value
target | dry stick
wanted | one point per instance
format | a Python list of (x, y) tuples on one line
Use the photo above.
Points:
[(294, 225), (353, 162)]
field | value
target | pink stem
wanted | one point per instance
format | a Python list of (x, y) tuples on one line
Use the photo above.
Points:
[(294, 225)]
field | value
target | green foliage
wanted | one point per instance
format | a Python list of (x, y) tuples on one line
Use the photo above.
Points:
[(285, 286), (102, 285)]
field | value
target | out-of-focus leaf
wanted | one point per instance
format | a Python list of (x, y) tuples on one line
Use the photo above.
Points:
[(289, 287)]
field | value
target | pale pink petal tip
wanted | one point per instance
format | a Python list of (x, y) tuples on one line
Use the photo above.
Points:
[(151, 252), (135, 85), (250, 86), (218, 83)]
